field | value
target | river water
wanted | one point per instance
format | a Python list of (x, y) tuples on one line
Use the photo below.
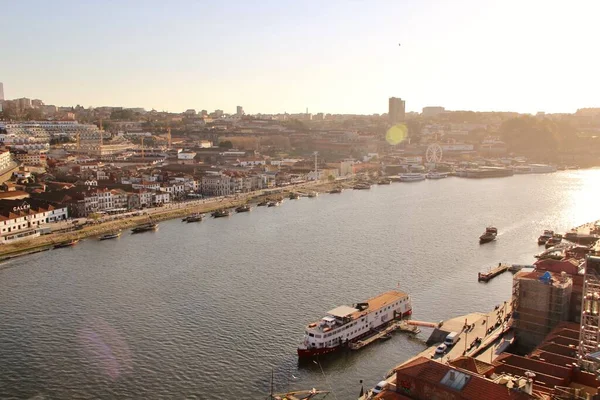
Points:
[(207, 310)]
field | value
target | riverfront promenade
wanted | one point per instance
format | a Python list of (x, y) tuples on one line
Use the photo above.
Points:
[(65, 230)]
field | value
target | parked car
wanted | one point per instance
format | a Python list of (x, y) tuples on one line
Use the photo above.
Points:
[(380, 387), (441, 349)]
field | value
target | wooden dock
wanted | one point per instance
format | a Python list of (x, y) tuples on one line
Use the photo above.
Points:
[(398, 325), (492, 273)]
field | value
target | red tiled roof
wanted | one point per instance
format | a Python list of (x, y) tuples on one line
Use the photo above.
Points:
[(472, 364), (13, 194), (423, 369), (530, 364)]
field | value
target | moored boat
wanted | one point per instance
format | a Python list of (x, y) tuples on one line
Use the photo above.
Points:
[(436, 175), (274, 203), (553, 241), (149, 226), (489, 235), (262, 204), (243, 208), (194, 218), (336, 190), (384, 182), (67, 243), (544, 237), (362, 186), (344, 325), (412, 177), (221, 213), (294, 196), (110, 235), (313, 194)]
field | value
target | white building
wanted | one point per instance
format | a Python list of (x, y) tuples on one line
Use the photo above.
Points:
[(5, 160), (161, 198), (21, 219)]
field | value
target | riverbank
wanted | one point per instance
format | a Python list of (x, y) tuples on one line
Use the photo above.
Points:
[(176, 210)]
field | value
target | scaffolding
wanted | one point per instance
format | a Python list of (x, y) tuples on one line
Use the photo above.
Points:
[(539, 304), (589, 335)]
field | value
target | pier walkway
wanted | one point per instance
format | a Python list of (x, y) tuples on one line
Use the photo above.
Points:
[(399, 325)]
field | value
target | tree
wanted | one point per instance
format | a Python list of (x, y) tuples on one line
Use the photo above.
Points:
[(226, 144)]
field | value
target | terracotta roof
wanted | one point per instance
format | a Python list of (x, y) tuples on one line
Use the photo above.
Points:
[(472, 365), (13, 194), (389, 395), (432, 372)]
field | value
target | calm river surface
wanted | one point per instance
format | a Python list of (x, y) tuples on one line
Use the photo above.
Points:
[(206, 310)]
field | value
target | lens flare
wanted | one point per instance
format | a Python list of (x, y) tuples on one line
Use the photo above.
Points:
[(396, 134), (105, 348)]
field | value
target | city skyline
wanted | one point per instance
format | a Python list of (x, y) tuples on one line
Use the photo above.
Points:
[(334, 58)]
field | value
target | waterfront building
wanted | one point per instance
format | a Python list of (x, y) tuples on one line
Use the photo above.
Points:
[(20, 219), (396, 110), (540, 301), (239, 111)]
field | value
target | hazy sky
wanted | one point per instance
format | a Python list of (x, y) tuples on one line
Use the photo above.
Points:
[(277, 56)]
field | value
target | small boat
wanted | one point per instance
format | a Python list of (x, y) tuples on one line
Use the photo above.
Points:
[(362, 186), (221, 213), (412, 177), (294, 196), (68, 243), (547, 235), (243, 208), (553, 241), (336, 190), (148, 226), (274, 203), (110, 235), (384, 182), (489, 235), (194, 218), (436, 175), (313, 194), (387, 336), (263, 203)]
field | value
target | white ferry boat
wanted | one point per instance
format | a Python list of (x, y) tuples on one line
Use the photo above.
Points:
[(345, 324), (412, 177), (542, 168), (436, 175)]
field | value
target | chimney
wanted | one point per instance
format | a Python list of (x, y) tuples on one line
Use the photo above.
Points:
[(528, 386)]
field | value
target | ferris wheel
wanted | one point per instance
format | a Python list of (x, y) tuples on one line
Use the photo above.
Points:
[(433, 153)]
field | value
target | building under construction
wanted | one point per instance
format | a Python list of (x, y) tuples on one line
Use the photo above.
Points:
[(589, 335), (541, 299)]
